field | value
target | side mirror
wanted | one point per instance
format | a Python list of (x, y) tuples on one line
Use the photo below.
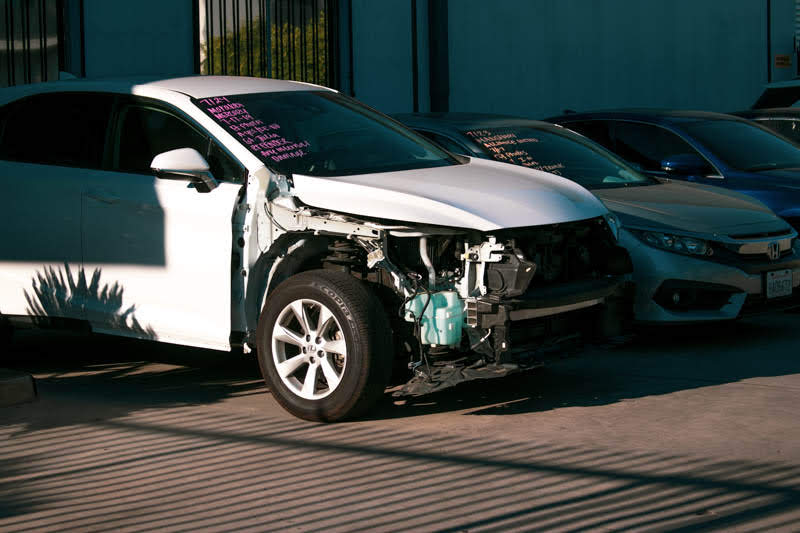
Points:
[(685, 165), (185, 164)]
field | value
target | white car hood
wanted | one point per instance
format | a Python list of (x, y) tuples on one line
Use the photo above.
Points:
[(481, 195)]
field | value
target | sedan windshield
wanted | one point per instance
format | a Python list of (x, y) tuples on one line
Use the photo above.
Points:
[(558, 151), (321, 133), (744, 146)]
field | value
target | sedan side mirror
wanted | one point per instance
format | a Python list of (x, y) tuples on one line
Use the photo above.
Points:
[(185, 164), (685, 165)]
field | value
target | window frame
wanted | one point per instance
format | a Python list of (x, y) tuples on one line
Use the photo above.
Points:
[(127, 101)]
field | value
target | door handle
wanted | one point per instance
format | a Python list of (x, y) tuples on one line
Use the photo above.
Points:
[(103, 197)]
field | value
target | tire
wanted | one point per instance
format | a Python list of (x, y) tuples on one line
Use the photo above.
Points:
[(351, 357)]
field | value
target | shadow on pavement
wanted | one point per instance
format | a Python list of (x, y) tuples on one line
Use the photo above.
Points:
[(132, 374), (189, 468)]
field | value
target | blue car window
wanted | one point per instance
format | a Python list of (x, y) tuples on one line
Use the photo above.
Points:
[(744, 145), (648, 145)]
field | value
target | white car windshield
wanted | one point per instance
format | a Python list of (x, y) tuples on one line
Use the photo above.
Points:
[(321, 133)]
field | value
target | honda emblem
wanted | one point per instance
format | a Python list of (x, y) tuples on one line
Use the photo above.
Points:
[(774, 250)]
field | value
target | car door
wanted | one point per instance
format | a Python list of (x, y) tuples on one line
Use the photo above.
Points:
[(161, 247), (49, 144)]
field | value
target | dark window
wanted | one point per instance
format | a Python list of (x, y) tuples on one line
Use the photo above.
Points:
[(787, 127), (744, 145), (558, 151), (648, 145), (446, 143), (147, 130), (321, 133), (57, 129), (596, 130)]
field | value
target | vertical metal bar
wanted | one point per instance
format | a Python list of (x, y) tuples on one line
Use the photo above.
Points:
[(196, 34), (262, 44), (10, 42), (292, 49), (42, 42), (279, 38), (248, 16), (60, 31), (303, 44), (769, 41), (209, 36), (82, 23), (414, 58), (315, 38), (26, 42), (223, 31), (237, 57)]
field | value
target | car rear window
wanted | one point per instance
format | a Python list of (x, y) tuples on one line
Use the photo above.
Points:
[(321, 133)]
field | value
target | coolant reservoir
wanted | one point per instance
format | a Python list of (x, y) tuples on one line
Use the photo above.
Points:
[(442, 320)]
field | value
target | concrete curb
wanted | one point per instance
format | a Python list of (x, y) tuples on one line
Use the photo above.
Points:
[(16, 387)]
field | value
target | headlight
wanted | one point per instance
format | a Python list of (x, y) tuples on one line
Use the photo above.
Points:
[(613, 224), (674, 243)]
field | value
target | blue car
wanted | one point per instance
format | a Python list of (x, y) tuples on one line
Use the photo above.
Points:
[(709, 148)]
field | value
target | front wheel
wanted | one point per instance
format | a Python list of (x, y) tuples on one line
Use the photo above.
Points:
[(324, 346)]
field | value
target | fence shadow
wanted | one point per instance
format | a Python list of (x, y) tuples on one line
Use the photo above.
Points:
[(190, 469)]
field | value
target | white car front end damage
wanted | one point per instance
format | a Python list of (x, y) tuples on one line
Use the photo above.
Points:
[(469, 279)]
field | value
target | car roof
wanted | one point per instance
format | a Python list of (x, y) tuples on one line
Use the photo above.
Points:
[(458, 122), (645, 114), (792, 112), (192, 86)]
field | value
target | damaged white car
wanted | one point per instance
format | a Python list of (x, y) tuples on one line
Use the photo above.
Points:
[(292, 220)]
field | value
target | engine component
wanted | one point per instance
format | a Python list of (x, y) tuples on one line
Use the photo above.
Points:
[(440, 315), (511, 276)]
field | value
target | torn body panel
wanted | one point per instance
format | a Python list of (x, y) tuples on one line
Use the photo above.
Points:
[(474, 304)]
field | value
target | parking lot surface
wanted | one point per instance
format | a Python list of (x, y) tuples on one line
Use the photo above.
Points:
[(693, 429)]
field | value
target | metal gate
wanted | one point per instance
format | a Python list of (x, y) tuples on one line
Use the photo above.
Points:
[(287, 39), (30, 37)]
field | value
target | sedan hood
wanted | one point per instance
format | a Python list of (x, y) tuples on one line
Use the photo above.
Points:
[(481, 195), (690, 208)]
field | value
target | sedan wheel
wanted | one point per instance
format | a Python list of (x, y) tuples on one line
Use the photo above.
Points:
[(308, 349), (324, 345)]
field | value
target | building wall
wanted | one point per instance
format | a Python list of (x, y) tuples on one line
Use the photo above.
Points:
[(150, 37), (538, 57), (382, 54), (549, 55)]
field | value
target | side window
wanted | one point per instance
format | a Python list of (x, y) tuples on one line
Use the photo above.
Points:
[(786, 127), (67, 129), (648, 145), (444, 142), (145, 131), (596, 130)]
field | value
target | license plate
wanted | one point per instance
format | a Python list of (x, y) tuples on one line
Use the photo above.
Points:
[(779, 283)]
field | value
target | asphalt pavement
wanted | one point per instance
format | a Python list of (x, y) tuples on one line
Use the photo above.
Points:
[(682, 428)]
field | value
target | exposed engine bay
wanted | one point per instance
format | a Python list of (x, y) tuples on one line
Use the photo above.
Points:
[(466, 304)]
